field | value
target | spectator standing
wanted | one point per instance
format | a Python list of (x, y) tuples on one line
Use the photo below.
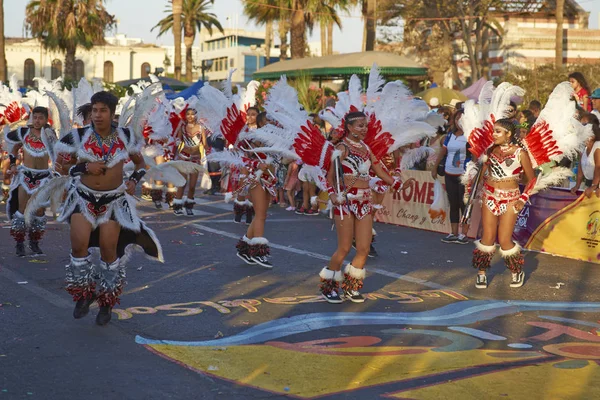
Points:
[(535, 107), (589, 166), (595, 97), (582, 90), (455, 149)]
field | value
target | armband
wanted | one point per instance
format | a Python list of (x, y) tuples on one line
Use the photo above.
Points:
[(13, 159), (137, 176), (397, 184), (524, 198), (78, 169)]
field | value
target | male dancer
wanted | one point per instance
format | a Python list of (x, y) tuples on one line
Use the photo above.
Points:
[(28, 178), (100, 208)]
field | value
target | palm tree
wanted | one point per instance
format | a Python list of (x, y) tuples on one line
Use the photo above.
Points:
[(264, 12), (65, 24), (558, 54), (327, 15), (177, 9), (3, 76), (194, 16)]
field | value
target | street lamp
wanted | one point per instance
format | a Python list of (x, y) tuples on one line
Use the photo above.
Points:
[(206, 65)]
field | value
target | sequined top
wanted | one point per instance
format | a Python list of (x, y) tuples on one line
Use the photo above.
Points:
[(32, 144), (504, 168), (358, 160)]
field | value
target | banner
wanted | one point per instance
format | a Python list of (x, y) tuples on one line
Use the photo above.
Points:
[(410, 207)]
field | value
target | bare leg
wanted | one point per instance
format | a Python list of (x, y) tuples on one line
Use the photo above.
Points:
[(345, 234), (193, 179), (363, 232), (260, 198), (80, 235)]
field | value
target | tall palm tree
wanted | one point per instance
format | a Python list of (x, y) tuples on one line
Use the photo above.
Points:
[(177, 9), (194, 16), (558, 45), (65, 24), (326, 12), (3, 76), (265, 12)]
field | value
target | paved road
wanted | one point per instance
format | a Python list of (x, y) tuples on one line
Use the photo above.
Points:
[(203, 325)]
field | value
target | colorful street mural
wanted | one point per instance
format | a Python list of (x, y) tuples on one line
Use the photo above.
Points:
[(469, 349)]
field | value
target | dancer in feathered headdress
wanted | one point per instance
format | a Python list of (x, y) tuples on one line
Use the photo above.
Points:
[(13, 113), (499, 159), (37, 143), (105, 216), (234, 117), (343, 170)]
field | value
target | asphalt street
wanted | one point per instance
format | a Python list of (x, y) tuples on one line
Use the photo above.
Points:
[(204, 325)]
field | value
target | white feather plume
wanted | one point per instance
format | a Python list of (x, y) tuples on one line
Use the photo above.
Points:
[(355, 92), (226, 158), (211, 106), (500, 102), (249, 99), (227, 86), (166, 174), (413, 156), (556, 177), (376, 83), (52, 192), (471, 171), (63, 122)]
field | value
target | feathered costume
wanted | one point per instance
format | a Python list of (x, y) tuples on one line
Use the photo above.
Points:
[(393, 122), (556, 134), (225, 114)]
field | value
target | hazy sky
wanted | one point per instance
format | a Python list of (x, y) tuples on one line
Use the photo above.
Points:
[(137, 17)]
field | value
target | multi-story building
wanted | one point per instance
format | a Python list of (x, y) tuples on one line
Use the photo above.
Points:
[(119, 59)]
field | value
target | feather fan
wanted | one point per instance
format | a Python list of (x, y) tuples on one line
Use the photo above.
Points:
[(413, 156), (52, 192), (63, 122)]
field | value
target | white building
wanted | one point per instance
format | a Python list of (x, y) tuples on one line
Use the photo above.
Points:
[(235, 48), (120, 59)]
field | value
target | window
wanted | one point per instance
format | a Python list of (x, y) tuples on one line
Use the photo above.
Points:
[(145, 70), (231, 63), (79, 69), (109, 69), (56, 69), (29, 72)]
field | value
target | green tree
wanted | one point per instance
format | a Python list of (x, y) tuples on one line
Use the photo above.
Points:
[(194, 16), (265, 12), (65, 24), (558, 51)]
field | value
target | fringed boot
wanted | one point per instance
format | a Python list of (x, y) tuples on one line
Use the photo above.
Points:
[(18, 232), (178, 207), (239, 207), (170, 196), (353, 282), (514, 261), (36, 232), (157, 196), (260, 251), (243, 250), (189, 206), (330, 285), (249, 212), (112, 281), (146, 191), (482, 259), (80, 283)]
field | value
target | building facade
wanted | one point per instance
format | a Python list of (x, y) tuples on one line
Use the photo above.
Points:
[(119, 59)]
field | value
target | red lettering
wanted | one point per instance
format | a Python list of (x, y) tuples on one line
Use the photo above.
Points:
[(410, 190), (420, 192)]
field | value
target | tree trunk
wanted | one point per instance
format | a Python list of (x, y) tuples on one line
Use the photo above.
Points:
[(177, 11), (70, 62), (323, 34), (558, 46), (298, 30), (370, 25), (283, 29), (364, 14), (268, 41), (330, 38), (188, 41), (3, 72)]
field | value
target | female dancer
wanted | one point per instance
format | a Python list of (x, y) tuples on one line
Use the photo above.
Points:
[(241, 204), (555, 135), (352, 212), (502, 202), (189, 138)]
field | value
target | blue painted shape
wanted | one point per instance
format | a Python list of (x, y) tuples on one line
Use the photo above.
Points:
[(458, 342), (569, 320), (520, 346), (459, 313), (477, 333), (571, 364)]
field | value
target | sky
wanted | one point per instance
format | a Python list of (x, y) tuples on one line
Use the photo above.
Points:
[(137, 17)]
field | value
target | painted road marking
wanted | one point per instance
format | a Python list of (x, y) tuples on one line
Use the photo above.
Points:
[(323, 257)]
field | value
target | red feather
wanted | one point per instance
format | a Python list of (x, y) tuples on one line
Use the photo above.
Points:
[(378, 142), (541, 144), (14, 112), (482, 138), (232, 124), (147, 131), (312, 147)]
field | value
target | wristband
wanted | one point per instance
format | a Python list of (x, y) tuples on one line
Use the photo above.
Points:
[(397, 184), (79, 169), (137, 176), (13, 160), (524, 198)]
